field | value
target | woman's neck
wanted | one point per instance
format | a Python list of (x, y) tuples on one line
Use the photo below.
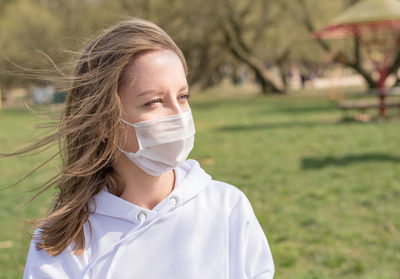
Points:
[(141, 188)]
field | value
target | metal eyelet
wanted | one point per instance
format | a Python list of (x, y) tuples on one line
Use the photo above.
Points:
[(141, 215), (174, 199)]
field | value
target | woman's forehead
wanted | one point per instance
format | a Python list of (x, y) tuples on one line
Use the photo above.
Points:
[(160, 68)]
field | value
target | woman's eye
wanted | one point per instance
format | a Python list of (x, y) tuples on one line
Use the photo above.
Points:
[(184, 96), (153, 102)]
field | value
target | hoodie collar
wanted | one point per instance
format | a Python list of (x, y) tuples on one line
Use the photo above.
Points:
[(190, 180)]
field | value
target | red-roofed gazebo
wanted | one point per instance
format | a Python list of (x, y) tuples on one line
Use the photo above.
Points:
[(377, 25)]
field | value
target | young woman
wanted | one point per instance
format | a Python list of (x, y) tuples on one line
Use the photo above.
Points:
[(129, 203)]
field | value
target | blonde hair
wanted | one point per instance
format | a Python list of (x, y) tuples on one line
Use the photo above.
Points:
[(89, 130)]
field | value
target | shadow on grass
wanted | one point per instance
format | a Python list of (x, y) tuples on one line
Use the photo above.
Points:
[(319, 163), (231, 103), (286, 125), (266, 126), (239, 104), (292, 124), (307, 109)]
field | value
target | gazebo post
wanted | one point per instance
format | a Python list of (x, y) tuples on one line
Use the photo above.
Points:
[(383, 74)]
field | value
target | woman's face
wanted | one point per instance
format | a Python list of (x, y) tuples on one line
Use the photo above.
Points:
[(154, 86)]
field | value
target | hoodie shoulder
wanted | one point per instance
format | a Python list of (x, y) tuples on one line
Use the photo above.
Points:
[(220, 192), (226, 195), (39, 264), (226, 188)]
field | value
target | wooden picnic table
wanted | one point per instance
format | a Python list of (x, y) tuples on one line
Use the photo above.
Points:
[(363, 105)]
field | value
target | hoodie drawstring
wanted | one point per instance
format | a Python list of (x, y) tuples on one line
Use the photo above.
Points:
[(130, 236), (142, 217)]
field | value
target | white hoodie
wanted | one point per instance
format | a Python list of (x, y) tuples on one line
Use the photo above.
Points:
[(204, 229)]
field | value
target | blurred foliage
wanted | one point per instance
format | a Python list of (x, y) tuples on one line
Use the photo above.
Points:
[(214, 35), (26, 29)]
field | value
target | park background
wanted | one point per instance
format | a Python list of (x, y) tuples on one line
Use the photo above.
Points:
[(324, 185)]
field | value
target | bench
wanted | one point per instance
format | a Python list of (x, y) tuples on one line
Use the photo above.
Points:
[(363, 105)]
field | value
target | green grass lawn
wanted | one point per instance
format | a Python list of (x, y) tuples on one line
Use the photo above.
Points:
[(326, 192)]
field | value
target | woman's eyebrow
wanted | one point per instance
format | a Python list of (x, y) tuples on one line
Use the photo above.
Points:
[(183, 88), (152, 91), (149, 91)]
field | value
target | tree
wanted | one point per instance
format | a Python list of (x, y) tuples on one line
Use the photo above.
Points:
[(26, 31)]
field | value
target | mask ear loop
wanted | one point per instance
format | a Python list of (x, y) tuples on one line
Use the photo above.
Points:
[(134, 126), (126, 122)]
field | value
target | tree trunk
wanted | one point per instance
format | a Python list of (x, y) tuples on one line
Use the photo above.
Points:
[(267, 86), (242, 53), (233, 34)]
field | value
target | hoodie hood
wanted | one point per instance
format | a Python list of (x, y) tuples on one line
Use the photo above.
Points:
[(190, 180)]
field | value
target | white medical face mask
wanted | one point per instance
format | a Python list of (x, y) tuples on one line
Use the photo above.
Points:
[(164, 143)]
